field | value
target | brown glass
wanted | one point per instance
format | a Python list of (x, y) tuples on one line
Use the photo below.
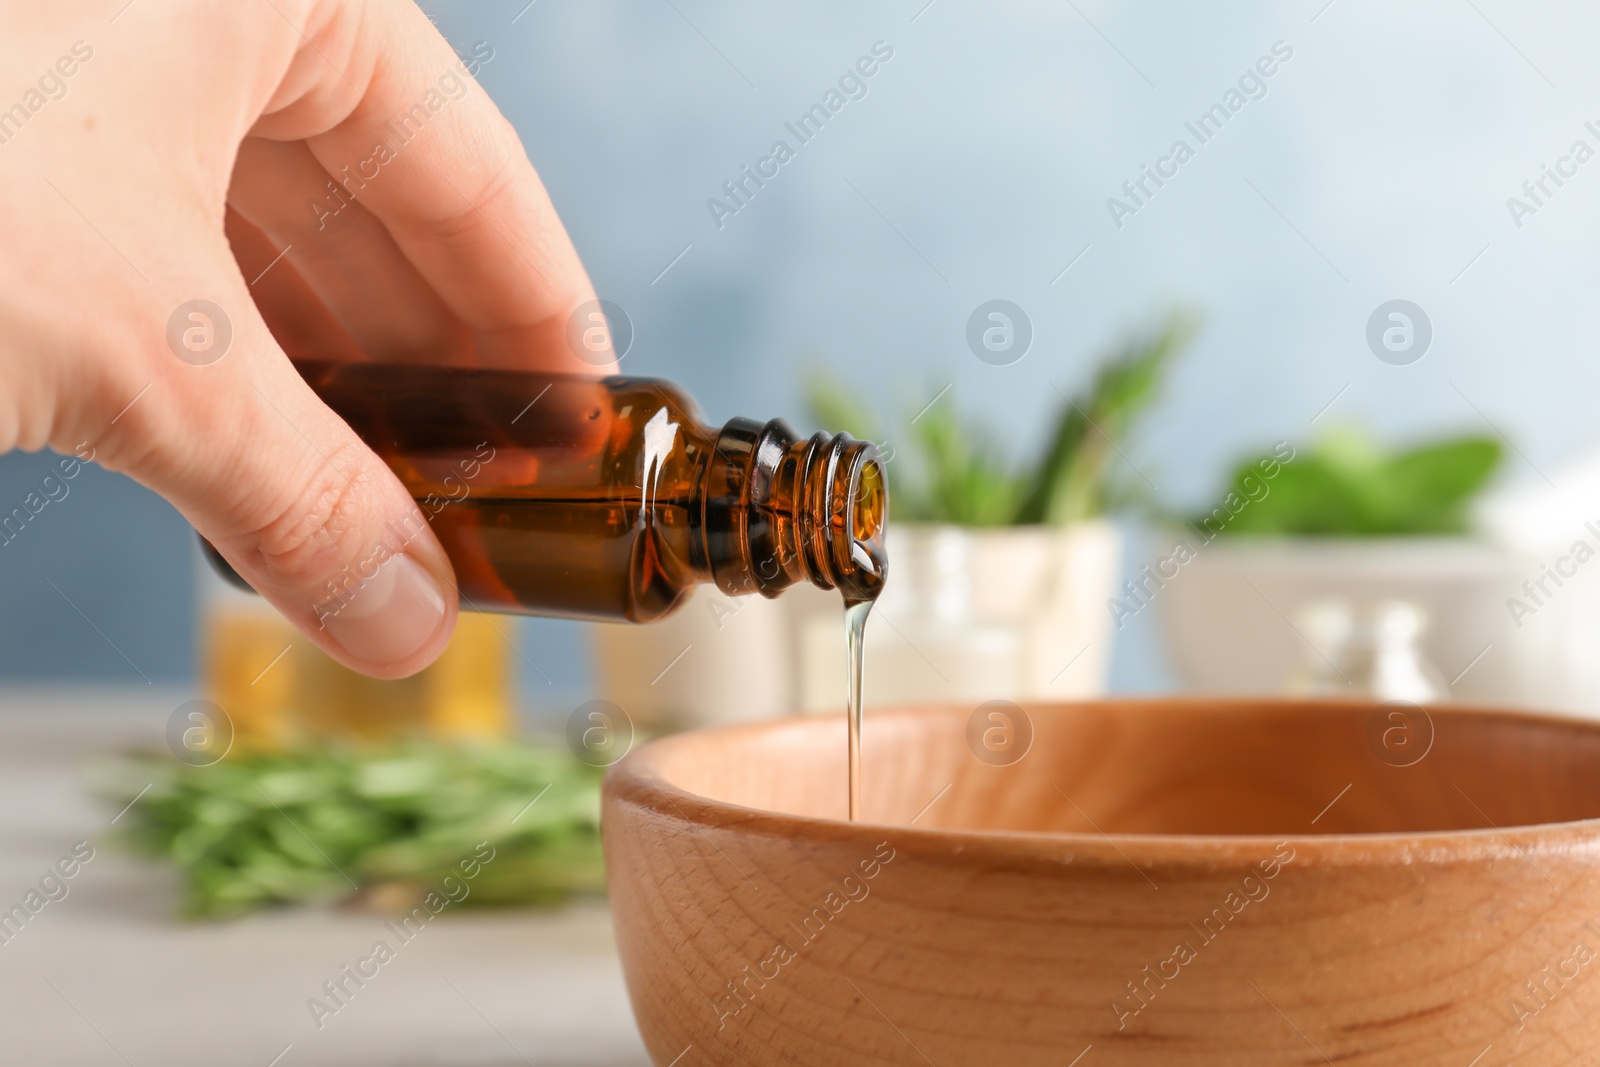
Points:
[(609, 498)]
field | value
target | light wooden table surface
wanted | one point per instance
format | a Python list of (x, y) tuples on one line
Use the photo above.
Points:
[(106, 976)]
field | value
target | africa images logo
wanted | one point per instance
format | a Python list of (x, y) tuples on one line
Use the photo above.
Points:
[(1252, 85), (852, 85)]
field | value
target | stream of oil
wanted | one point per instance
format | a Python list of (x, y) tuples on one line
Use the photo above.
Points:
[(869, 570), (855, 624)]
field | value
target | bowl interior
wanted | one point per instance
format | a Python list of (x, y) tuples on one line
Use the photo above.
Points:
[(1161, 767)]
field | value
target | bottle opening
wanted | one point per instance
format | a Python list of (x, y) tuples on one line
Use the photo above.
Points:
[(871, 500), (860, 576)]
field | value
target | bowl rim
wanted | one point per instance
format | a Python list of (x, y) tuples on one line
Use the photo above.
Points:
[(635, 780)]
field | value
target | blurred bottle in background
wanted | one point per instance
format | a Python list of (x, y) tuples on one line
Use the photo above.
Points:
[(1366, 650), (280, 691)]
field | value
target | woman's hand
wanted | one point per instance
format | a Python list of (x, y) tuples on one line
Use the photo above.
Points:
[(188, 189)]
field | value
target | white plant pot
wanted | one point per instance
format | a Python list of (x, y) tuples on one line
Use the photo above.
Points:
[(969, 615), (1230, 613)]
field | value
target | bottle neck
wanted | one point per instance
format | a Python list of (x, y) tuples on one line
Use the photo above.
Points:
[(781, 509)]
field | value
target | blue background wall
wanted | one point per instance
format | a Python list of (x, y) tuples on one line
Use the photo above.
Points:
[(978, 165)]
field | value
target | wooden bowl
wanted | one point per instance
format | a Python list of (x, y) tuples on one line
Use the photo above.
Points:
[(1147, 882)]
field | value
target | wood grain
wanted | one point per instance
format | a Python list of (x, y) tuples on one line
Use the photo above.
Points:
[(1197, 882)]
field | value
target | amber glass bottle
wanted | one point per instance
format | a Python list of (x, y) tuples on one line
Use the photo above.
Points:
[(609, 498)]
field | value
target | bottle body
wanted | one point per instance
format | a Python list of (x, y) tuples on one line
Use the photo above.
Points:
[(609, 499)]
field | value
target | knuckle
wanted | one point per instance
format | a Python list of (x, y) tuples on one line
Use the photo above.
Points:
[(457, 224), (322, 523)]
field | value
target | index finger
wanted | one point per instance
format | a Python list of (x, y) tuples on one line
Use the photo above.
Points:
[(429, 154)]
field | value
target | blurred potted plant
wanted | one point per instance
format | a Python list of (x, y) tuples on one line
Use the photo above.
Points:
[(1345, 520), (999, 568)]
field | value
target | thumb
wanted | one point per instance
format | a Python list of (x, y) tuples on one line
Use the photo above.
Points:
[(285, 491)]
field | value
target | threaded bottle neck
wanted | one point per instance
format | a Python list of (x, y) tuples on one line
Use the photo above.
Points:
[(781, 509)]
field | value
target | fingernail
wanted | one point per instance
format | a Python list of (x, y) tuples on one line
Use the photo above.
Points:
[(392, 615)]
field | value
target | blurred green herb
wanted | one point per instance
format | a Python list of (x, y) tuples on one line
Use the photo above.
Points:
[(291, 828), (960, 473), (1347, 485)]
